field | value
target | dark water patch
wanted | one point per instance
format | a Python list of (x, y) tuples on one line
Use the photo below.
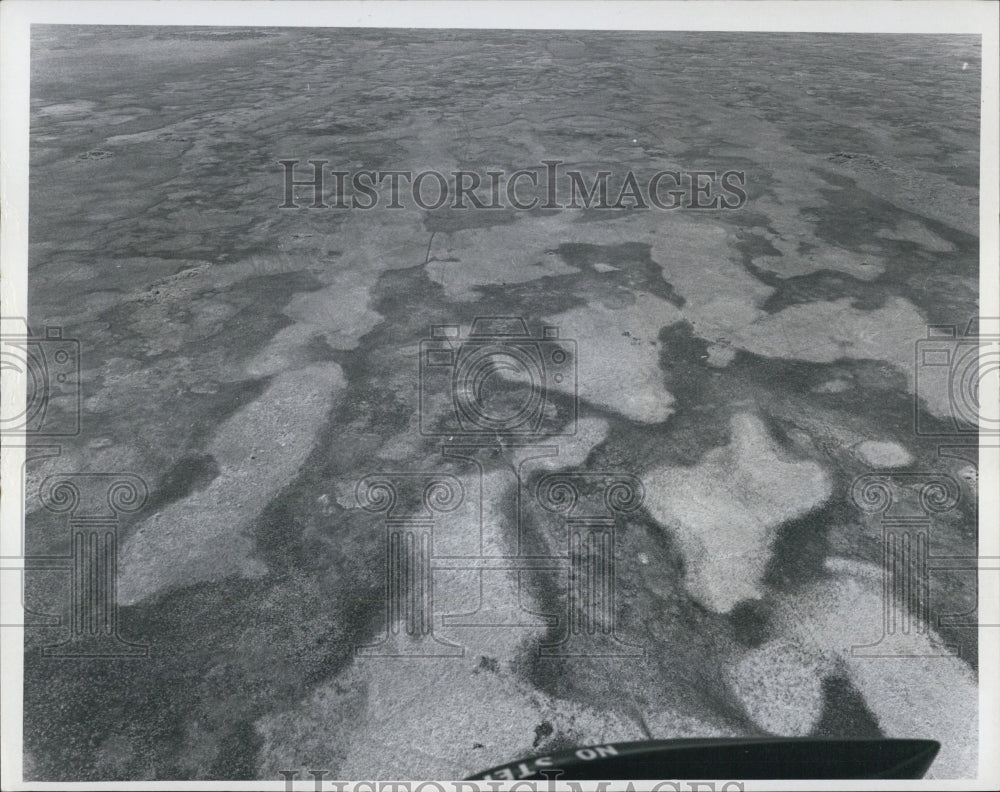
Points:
[(334, 129), (308, 530), (851, 218), (750, 246), (542, 731), (490, 664), (845, 713), (814, 135), (683, 356), (962, 175), (682, 642), (823, 285), (447, 220), (800, 548), (636, 268), (369, 392), (802, 376), (820, 285), (187, 475), (237, 756), (542, 297), (750, 622), (221, 655), (795, 388), (210, 409), (412, 304), (683, 440), (302, 532), (65, 709), (318, 349)]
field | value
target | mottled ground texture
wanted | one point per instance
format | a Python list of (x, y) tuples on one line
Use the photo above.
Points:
[(739, 370)]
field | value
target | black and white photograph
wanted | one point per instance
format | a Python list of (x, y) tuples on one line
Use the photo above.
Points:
[(513, 392)]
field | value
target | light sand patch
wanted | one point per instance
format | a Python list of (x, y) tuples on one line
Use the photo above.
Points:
[(792, 262), (669, 725), (423, 716), (448, 717), (574, 449), (513, 253), (919, 693), (316, 731), (258, 450), (618, 354), (63, 109), (882, 454), (339, 314), (699, 261), (908, 230), (339, 311), (368, 249), (780, 686), (719, 355), (823, 332), (725, 510), (913, 189), (836, 385)]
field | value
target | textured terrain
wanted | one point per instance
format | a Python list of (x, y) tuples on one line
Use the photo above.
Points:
[(252, 365)]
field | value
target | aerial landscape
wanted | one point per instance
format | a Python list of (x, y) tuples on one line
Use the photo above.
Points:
[(402, 490)]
